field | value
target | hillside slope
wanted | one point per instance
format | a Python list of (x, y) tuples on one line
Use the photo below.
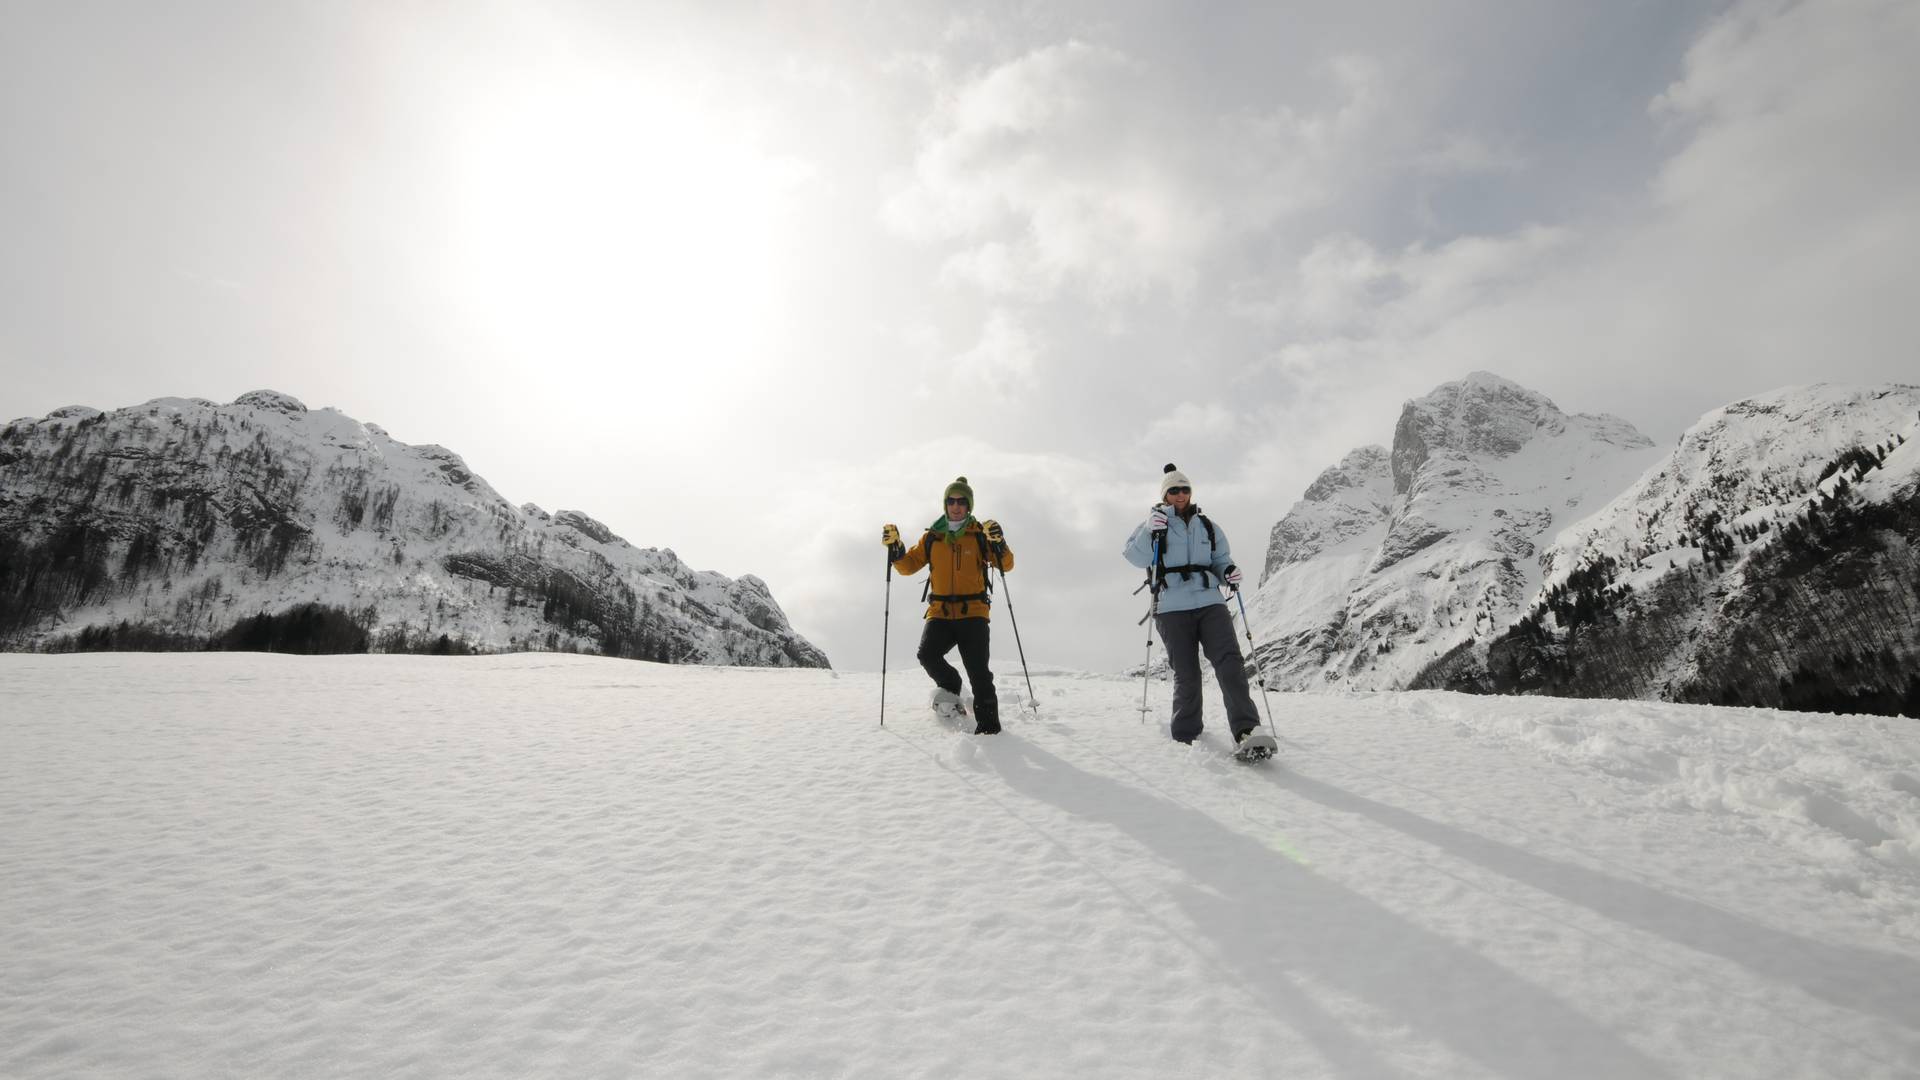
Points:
[(1773, 558), (170, 524)]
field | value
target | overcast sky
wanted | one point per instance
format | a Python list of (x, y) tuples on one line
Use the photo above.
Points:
[(748, 281)]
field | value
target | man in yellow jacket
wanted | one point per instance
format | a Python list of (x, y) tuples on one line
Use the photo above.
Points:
[(959, 596)]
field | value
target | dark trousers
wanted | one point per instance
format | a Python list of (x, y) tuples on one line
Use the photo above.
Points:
[(938, 639), (1186, 634)]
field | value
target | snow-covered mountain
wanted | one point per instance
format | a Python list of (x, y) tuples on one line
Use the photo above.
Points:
[(1773, 558), (1395, 558), (181, 522)]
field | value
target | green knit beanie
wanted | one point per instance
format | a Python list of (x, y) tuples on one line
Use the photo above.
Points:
[(958, 487)]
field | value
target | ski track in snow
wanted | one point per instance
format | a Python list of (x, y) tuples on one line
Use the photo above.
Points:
[(538, 865)]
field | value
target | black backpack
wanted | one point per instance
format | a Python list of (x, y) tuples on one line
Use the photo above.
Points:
[(1206, 572)]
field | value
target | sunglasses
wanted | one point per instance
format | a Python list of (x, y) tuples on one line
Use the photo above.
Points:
[(956, 502), (1179, 491)]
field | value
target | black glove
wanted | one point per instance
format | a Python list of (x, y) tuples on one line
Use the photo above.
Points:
[(993, 531)]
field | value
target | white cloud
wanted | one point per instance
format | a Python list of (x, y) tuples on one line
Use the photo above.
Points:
[(1075, 167), (1777, 246), (1004, 357), (1192, 419), (1344, 289), (1463, 154), (998, 269), (1795, 108), (1773, 246)]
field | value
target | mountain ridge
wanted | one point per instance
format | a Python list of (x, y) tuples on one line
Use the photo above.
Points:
[(1773, 558), (1767, 559), (180, 517), (1400, 554)]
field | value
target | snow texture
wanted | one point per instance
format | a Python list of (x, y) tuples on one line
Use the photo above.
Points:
[(543, 865)]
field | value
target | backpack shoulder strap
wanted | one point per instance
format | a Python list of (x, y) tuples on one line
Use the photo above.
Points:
[(986, 559)]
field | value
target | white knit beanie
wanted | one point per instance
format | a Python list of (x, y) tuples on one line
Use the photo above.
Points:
[(1172, 478)]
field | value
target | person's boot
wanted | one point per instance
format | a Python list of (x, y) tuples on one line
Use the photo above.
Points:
[(986, 717)]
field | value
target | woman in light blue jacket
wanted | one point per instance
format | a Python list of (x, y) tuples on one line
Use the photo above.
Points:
[(1193, 562)]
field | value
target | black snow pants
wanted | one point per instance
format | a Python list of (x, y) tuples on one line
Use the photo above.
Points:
[(1188, 633), (939, 638)]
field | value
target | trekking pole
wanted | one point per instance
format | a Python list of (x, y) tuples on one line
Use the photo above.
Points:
[(1153, 608), (1031, 700), (886, 625), (1259, 676)]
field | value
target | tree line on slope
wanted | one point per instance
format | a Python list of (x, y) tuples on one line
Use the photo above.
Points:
[(1819, 614)]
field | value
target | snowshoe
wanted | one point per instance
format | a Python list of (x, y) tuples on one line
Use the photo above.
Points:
[(1255, 745), (949, 709)]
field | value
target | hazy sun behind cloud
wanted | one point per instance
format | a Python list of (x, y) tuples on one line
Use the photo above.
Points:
[(602, 219)]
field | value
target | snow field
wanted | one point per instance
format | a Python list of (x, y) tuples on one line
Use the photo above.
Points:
[(250, 865)]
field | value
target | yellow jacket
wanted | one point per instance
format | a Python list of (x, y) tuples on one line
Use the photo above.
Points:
[(957, 585)]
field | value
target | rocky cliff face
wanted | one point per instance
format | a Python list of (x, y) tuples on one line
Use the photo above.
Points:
[(1347, 501), (174, 521), (1772, 559), (1398, 557)]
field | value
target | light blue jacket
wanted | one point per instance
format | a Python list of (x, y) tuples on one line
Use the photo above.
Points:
[(1186, 546)]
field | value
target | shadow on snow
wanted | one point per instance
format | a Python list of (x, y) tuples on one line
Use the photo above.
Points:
[(1864, 980), (1277, 924)]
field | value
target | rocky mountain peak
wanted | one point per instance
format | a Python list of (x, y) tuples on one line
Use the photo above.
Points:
[(1343, 502), (1394, 557), (272, 401), (587, 526), (1482, 414), (1354, 471)]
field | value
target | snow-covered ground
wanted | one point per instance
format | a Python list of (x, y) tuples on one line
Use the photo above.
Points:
[(268, 866)]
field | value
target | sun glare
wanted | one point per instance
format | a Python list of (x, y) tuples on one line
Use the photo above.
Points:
[(604, 225)]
